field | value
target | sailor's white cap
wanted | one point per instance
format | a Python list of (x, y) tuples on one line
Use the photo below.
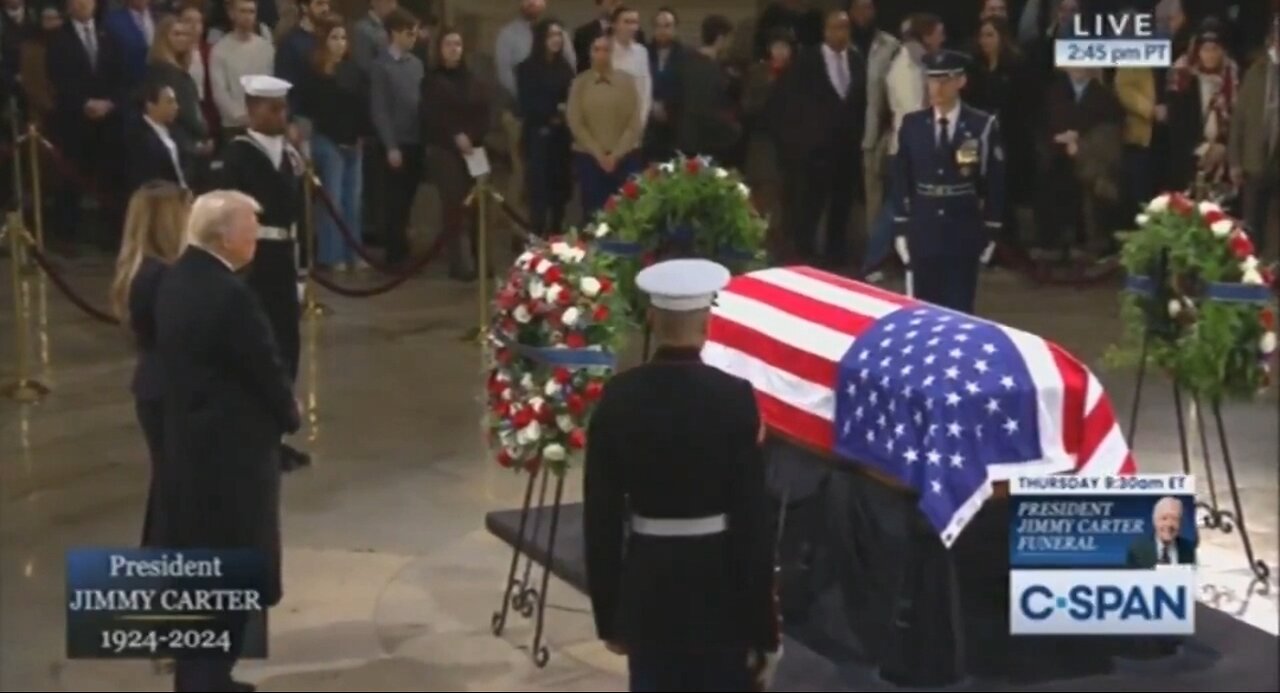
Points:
[(265, 86), (683, 285)]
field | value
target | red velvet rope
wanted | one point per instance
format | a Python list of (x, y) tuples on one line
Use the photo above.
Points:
[(416, 266), (69, 171), (43, 261)]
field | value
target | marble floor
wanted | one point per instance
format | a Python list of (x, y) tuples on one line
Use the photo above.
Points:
[(390, 576)]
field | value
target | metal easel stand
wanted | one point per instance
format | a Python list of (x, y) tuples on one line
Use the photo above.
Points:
[(1212, 514), (312, 307), (519, 595), (24, 389)]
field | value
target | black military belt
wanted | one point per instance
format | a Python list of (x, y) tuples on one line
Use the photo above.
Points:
[(679, 527), (959, 190)]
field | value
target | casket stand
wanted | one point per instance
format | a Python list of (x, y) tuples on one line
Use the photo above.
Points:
[(873, 601)]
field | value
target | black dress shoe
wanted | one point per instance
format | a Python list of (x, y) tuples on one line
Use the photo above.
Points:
[(242, 687)]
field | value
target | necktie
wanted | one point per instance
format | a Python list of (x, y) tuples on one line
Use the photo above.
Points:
[(944, 133), (842, 75), (91, 45), (1164, 555)]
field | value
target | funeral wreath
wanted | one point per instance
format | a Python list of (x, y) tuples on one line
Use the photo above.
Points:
[(686, 207), (1200, 296), (558, 321)]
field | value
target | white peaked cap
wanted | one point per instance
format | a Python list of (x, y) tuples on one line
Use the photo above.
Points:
[(683, 285), (265, 86)]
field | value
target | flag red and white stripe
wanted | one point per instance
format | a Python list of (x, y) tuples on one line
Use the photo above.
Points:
[(786, 330)]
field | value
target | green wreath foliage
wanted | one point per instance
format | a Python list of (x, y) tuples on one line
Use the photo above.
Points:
[(684, 207), (1211, 348)]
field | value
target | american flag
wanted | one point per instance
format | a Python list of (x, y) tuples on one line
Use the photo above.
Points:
[(946, 403)]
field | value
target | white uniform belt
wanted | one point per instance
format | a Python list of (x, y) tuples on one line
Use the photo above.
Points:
[(679, 527), (274, 233)]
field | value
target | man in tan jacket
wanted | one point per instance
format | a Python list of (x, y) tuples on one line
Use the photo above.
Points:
[(1254, 147)]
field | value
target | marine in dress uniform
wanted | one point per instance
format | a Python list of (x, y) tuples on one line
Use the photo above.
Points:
[(263, 165), (948, 196), (678, 542)]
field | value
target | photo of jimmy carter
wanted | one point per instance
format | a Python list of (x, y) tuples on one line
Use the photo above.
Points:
[(1167, 547)]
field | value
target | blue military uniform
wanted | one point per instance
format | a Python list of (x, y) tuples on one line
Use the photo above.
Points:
[(948, 193)]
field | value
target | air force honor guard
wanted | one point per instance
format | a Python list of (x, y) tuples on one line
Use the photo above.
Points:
[(948, 189), (678, 546), (263, 165)]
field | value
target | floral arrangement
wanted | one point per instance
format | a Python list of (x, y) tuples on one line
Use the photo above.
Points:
[(686, 207), (558, 321), (1207, 305)]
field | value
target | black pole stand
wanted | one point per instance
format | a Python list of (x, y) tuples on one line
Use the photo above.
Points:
[(511, 589), (525, 597), (1213, 516), (541, 655)]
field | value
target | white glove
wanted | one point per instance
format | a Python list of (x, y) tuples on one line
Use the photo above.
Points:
[(900, 245), (764, 673), (988, 252)]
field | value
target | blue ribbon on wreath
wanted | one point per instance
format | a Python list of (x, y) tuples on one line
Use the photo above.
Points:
[(555, 356), (678, 235), (1225, 292)]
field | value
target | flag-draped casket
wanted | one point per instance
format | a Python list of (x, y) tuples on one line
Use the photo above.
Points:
[(945, 403)]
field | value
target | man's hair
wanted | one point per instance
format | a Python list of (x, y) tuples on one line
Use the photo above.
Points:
[(669, 10), (621, 10), (399, 20), (679, 327), (715, 26), (920, 25), (152, 89), (1167, 501), (213, 215)]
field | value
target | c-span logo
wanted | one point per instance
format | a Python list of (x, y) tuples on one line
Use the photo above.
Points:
[(1102, 602)]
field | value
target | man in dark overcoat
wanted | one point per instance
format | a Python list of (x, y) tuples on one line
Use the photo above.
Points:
[(678, 542), (227, 401)]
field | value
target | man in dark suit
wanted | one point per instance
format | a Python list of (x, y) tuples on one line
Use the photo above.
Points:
[(227, 401), (153, 154), (1167, 547), (586, 34), (133, 29), (84, 67), (16, 24), (678, 541), (825, 97), (707, 123)]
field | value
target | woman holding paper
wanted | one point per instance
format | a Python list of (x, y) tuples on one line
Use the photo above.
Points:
[(454, 125)]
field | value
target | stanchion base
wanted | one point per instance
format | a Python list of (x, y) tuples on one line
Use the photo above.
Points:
[(26, 391)]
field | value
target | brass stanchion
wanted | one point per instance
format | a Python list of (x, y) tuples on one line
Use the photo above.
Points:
[(479, 196), (19, 202), (24, 388), (312, 307), (37, 196)]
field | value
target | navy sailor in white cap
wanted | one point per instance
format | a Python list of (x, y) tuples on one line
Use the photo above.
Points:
[(262, 164), (679, 548)]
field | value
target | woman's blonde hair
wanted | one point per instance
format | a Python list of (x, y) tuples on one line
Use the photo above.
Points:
[(161, 50), (154, 226)]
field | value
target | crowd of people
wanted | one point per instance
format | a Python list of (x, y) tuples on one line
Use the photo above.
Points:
[(809, 112)]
